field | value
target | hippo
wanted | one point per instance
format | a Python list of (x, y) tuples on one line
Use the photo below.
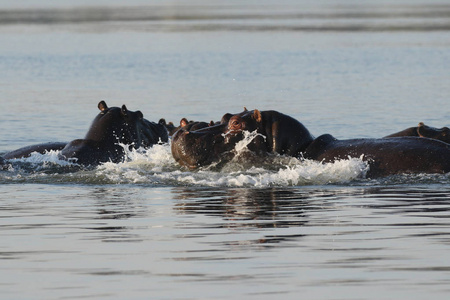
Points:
[(422, 130), (385, 156), (281, 134), (111, 128), (278, 133), (170, 127)]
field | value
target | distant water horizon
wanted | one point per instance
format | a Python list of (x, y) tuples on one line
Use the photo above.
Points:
[(234, 15)]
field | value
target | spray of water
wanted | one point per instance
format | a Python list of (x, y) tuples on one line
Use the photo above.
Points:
[(156, 166)]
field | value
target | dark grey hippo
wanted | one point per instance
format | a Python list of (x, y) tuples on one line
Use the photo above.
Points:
[(281, 134), (111, 128)]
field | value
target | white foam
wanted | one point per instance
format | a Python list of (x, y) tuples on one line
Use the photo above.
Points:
[(44, 159), (248, 138), (157, 166)]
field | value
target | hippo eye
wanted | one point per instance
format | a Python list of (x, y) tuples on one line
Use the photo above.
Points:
[(235, 124)]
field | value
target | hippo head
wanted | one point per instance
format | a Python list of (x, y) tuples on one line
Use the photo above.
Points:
[(115, 125), (442, 134), (216, 143), (198, 148)]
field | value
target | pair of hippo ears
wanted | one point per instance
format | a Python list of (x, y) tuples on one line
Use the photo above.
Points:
[(256, 114), (104, 107)]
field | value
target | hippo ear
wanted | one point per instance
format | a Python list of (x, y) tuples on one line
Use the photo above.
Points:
[(257, 115), (419, 128), (102, 105), (183, 122), (124, 110), (245, 108)]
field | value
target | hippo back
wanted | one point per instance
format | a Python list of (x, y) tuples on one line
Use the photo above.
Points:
[(386, 156), (425, 131)]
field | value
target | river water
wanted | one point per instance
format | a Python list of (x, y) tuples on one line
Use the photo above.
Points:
[(148, 229)]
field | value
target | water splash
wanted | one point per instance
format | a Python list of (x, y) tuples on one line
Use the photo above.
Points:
[(249, 136), (45, 160), (156, 167)]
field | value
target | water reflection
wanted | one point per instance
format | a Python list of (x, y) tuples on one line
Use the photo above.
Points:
[(420, 201), (345, 209), (117, 204), (266, 207), (281, 203), (338, 235), (286, 240), (114, 210)]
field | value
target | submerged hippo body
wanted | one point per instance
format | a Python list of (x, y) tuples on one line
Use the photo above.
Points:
[(385, 156), (39, 148), (422, 130), (276, 133), (112, 129), (281, 134)]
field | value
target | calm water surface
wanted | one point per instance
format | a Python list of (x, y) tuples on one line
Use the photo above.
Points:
[(147, 229)]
